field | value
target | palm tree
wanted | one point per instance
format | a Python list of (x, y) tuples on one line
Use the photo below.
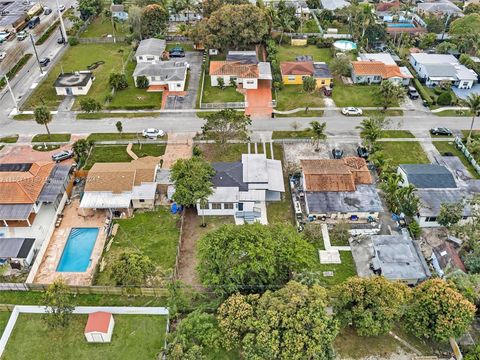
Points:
[(318, 130), (43, 117), (370, 131), (286, 24), (473, 104)]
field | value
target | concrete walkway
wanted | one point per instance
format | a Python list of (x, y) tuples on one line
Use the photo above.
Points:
[(326, 241), (130, 151), (179, 146)]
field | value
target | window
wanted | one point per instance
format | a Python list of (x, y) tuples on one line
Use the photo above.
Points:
[(141, 200), (291, 78), (464, 217), (228, 206), (150, 58), (323, 82), (179, 85), (205, 206), (217, 206), (250, 82), (430, 219), (80, 88), (140, 58)]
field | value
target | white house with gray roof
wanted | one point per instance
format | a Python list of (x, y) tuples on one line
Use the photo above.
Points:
[(242, 189), (163, 75), (150, 50), (434, 69)]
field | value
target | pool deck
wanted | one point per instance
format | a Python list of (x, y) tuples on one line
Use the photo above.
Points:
[(47, 272)]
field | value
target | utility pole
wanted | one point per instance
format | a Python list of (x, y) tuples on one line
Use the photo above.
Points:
[(64, 32), (11, 92), (36, 54)]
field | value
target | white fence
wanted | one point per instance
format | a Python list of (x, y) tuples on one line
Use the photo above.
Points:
[(464, 150), (228, 105)]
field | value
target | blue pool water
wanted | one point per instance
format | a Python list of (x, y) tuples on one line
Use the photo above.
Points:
[(77, 250), (401, 25)]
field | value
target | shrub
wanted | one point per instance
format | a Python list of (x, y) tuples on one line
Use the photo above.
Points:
[(423, 93), (445, 98), (142, 82), (73, 40), (414, 229), (197, 151)]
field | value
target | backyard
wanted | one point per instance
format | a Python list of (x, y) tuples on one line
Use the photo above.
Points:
[(214, 94), (78, 58), (102, 26), (153, 233), (134, 337), (404, 152), (289, 53)]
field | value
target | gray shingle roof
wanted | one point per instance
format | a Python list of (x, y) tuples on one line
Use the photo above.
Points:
[(440, 70), (151, 47), (431, 200), (166, 70), (429, 176), (229, 175)]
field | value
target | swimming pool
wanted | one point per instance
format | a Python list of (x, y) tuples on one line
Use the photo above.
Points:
[(345, 45), (401, 25), (78, 249)]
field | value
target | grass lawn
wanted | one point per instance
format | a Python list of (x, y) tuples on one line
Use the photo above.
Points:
[(341, 272), (4, 316), (475, 133), (143, 150), (51, 138), (405, 152), (185, 46), (213, 94), (134, 337), (113, 136), (102, 115), (289, 53), (303, 113), (227, 153), (299, 134), (449, 146), (107, 153), (293, 96), (101, 27), (384, 113), (354, 95), (9, 139), (451, 113), (396, 134), (41, 147), (153, 233), (23, 117)]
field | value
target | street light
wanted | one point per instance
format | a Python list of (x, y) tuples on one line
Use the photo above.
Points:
[(36, 54), (61, 23), (11, 92)]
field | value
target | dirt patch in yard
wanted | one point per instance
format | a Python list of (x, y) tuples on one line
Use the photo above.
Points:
[(304, 150)]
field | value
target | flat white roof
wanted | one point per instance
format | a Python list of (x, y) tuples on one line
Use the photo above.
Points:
[(144, 191), (105, 200), (385, 58), (264, 71)]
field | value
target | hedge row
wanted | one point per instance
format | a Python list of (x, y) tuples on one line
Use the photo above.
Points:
[(423, 93), (47, 33), (15, 69)]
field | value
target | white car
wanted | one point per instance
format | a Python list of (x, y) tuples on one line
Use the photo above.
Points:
[(61, 7), (352, 111), (152, 133), (2, 55)]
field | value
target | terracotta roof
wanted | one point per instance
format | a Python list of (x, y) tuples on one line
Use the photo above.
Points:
[(98, 322), (297, 68), (335, 174), (24, 187), (234, 68), (120, 177), (384, 6), (376, 68)]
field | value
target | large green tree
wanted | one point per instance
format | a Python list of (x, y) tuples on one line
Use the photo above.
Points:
[(371, 131), (465, 32), (251, 257), (472, 102), (226, 125), (290, 323), (154, 21), (89, 8), (438, 311), (207, 7), (132, 268), (389, 93), (400, 199), (192, 179), (42, 116), (59, 303), (318, 130), (371, 305), (450, 213), (235, 27), (81, 150)]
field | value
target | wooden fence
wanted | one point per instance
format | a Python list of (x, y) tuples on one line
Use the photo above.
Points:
[(102, 40), (179, 246)]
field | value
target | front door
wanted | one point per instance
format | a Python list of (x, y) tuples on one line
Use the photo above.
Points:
[(69, 91), (240, 206)]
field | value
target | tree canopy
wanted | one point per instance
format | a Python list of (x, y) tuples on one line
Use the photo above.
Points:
[(389, 94), (154, 21), (42, 116), (225, 125), (132, 268), (59, 302), (192, 179), (450, 214), (438, 311), (465, 31), (290, 323), (89, 8), (371, 305), (249, 258)]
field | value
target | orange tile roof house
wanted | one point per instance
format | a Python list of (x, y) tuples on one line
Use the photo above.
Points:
[(242, 67), (121, 187), (24, 187), (339, 189), (374, 72)]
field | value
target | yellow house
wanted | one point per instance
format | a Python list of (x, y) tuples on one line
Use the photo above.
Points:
[(293, 73)]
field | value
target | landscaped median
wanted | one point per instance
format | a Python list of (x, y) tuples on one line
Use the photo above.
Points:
[(15, 69), (118, 136), (42, 138), (104, 115), (9, 139)]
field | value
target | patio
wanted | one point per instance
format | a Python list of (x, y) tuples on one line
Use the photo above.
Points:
[(47, 271)]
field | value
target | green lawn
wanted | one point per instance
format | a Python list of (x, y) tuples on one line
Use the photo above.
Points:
[(354, 95), (384, 113), (101, 27), (406, 152), (185, 46), (23, 117), (4, 316), (451, 113), (341, 272), (104, 115), (227, 153), (48, 147), (134, 337), (9, 139), (299, 134), (113, 136), (153, 233), (396, 134), (293, 96), (213, 94), (78, 58), (289, 53), (51, 138), (449, 146), (143, 150)]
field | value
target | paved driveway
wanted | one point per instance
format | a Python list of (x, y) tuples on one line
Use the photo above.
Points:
[(194, 58)]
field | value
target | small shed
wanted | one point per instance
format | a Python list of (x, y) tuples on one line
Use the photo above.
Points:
[(99, 327)]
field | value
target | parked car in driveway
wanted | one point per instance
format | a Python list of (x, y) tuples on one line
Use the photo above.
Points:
[(412, 93), (44, 61), (22, 35), (352, 111), (152, 133), (62, 155), (441, 131), (362, 152), (337, 153), (177, 52)]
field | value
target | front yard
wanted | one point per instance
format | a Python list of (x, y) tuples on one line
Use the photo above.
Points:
[(289, 53), (449, 147), (78, 58), (354, 95), (134, 337), (404, 152), (214, 94), (293, 97), (153, 233)]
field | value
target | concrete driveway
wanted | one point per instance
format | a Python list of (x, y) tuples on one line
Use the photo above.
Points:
[(188, 101)]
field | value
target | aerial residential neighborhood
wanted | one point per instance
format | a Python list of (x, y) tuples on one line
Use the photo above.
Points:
[(219, 179)]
